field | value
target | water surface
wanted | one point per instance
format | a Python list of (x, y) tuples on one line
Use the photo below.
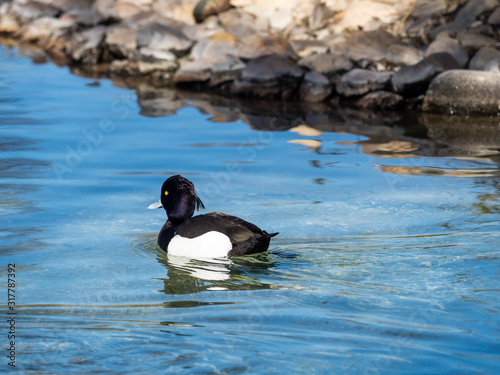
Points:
[(387, 259)]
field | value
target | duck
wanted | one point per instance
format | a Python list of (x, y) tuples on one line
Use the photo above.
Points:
[(212, 235)]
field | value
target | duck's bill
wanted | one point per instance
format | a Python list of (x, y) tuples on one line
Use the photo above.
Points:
[(155, 205)]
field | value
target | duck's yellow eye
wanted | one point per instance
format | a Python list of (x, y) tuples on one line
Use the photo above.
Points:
[(166, 192)]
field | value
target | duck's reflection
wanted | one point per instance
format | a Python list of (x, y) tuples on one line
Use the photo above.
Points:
[(187, 275)]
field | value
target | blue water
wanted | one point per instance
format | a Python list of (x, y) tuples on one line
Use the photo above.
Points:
[(387, 260)]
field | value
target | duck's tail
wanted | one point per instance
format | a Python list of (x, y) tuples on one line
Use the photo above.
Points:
[(269, 235)]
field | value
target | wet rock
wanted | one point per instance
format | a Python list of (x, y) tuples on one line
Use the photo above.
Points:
[(264, 44), (361, 81), (45, 31), (86, 46), (370, 46), (414, 80), (215, 46), (402, 55), (161, 37), (452, 47), (267, 77), (32, 10), (156, 61), (315, 87), (305, 48), (122, 41), (206, 8), (216, 70), (464, 92), (238, 23), (380, 100), (328, 64), (487, 59), (473, 42), (494, 18)]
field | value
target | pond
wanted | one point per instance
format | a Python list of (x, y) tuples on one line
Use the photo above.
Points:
[(387, 259)]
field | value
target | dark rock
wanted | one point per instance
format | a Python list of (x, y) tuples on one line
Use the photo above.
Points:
[(370, 46), (315, 87), (328, 64), (487, 59), (206, 8), (473, 42), (360, 81), (474, 8), (267, 77), (162, 37), (121, 41), (264, 44), (464, 92), (414, 80), (86, 46), (452, 47), (494, 18), (402, 55), (420, 28), (380, 100), (215, 46)]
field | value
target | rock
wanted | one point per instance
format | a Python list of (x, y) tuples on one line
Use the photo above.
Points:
[(380, 100), (215, 46), (308, 47), (122, 41), (238, 23), (420, 28), (360, 81), (367, 14), (158, 65), (127, 8), (104, 9), (45, 31), (424, 8), (452, 47), (172, 9), (162, 37), (84, 17), (474, 8), (487, 59), (494, 18), (216, 70), (206, 8), (402, 55), (464, 92), (414, 80), (268, 77), (86, 46), (328, 64), (264, 44), (315, 87), (370, 46), (32, 10), (8, 23), (473, 42), (337, 43)]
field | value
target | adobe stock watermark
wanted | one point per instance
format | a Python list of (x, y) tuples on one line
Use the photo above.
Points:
[(93, 137)]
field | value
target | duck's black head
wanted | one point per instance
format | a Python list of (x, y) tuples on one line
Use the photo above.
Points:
[(179, 199)]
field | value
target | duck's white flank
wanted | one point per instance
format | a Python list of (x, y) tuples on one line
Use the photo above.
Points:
[(209, 245)]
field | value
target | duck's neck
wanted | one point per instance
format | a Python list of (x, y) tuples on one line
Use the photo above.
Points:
[(182, 211)]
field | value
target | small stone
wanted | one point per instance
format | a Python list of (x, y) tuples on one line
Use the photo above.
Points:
[(151, 55), (226, 69), (451, 46), (215, 46), (370, 46), (32, 10), (494, 18), (268, 77), (360, 81), (487, 59), (414, 79), (206, 8), (8, 23), (473, 42), (402, 55), (238, 23), (86, 47), (161, 37), (380, 100), (464, 92), (425, 8), (174, 10), (126, 9), (122, 41), (305, 48), (45, 31), (328, 64), (85, 17), (264, 44), (315, 87), (216, 70)]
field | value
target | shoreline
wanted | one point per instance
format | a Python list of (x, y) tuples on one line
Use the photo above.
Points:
[(440, 58)]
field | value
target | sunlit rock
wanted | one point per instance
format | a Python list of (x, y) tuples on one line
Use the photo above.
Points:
[(161, 37), (206, 8), (402, 55), (86, 47), (215, 46), (121, 41), (264, 44), (369, 46)]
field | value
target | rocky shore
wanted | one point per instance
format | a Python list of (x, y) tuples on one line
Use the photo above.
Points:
[(438, 56)]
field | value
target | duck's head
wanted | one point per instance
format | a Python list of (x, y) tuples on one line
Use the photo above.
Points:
[(179, 199)]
